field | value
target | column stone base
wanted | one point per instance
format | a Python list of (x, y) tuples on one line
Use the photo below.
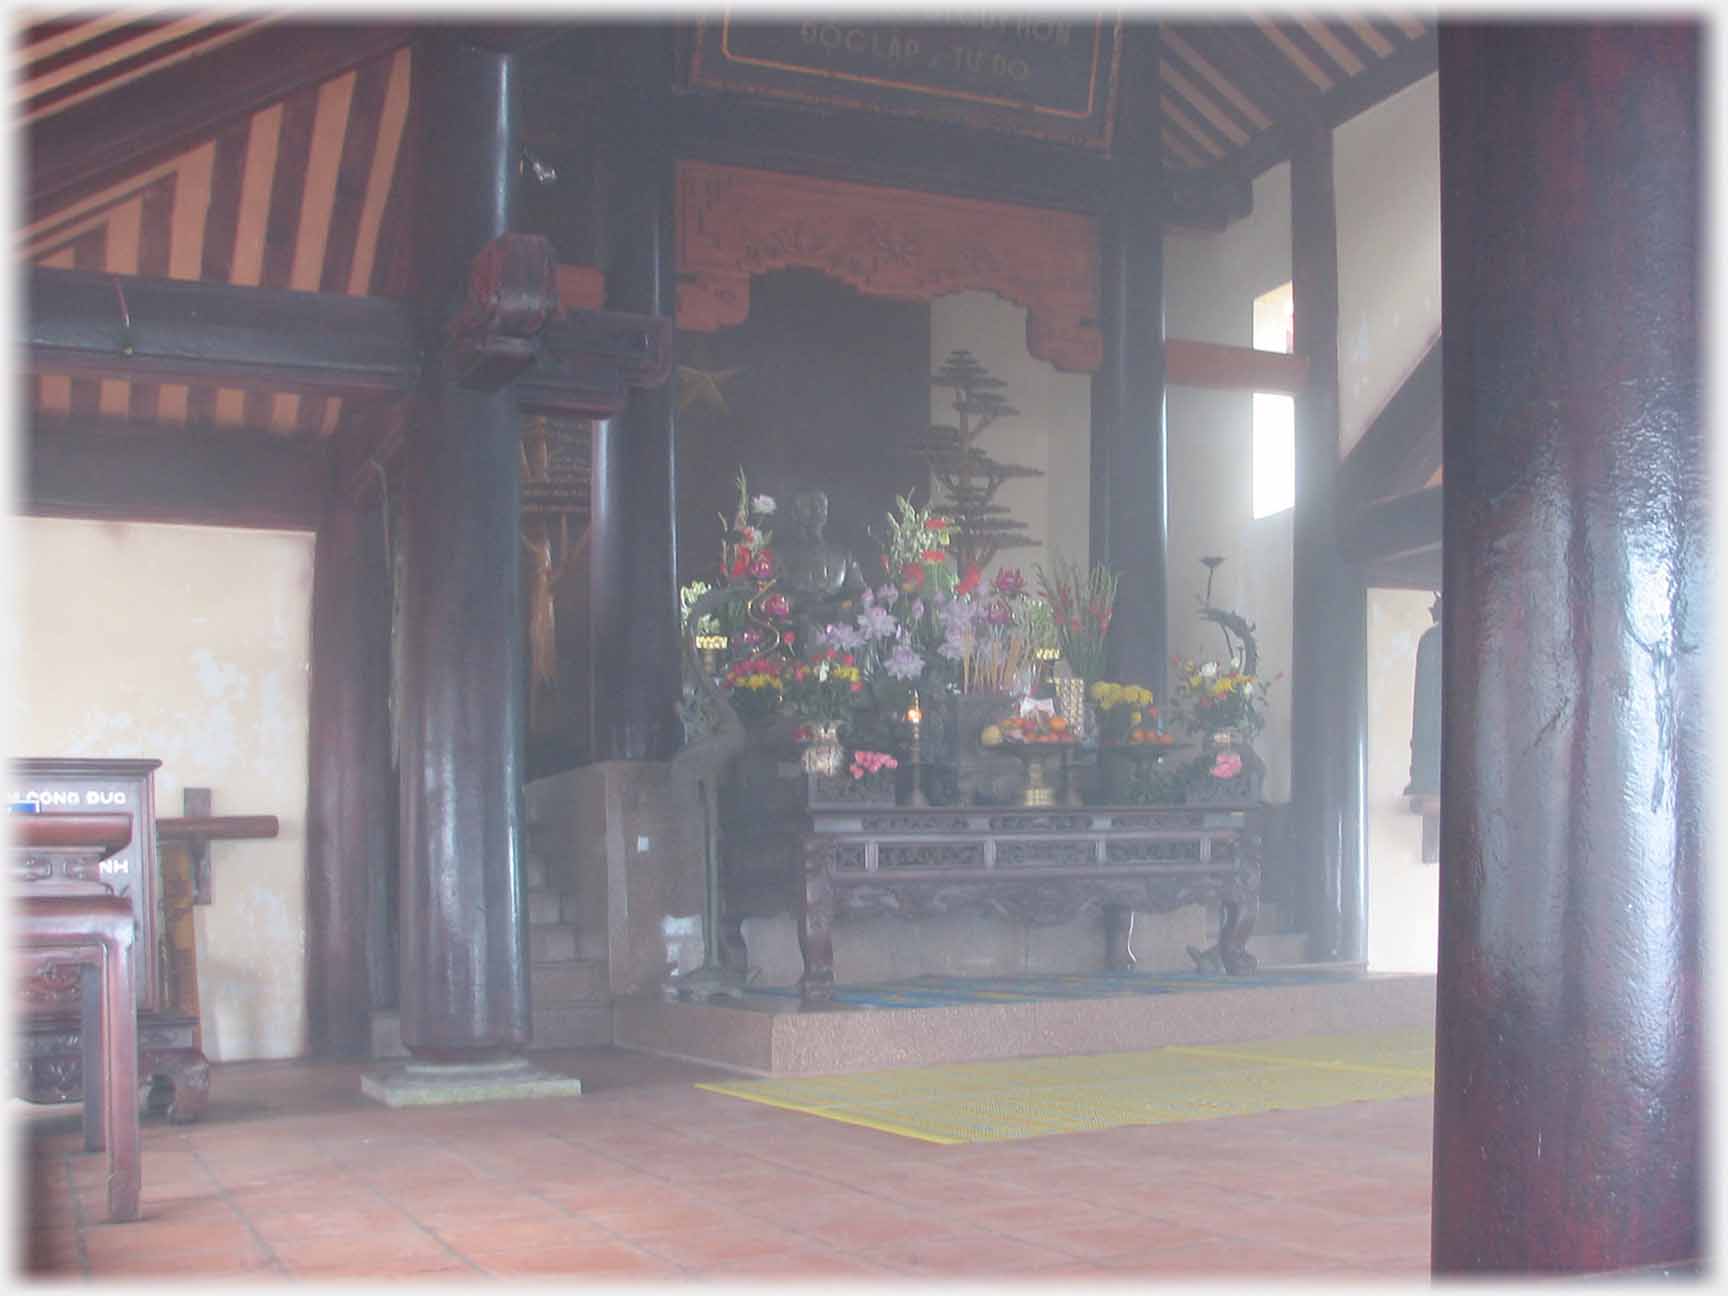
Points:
[(426, 1084)]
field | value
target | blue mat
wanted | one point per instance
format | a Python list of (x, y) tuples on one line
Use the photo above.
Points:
[(948, 991)]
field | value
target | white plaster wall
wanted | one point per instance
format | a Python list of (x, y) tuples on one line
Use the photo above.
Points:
[(1403, 892), (1386, 177), (1210, 283), (1053, 430), (190, 645)]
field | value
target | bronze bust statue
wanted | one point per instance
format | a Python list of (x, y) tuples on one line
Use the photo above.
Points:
[(817, 575)]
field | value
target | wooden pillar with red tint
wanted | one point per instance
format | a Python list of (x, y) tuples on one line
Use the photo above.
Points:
[(1568, 1127), (1329, 606), (1129, 511), (464, 991), (634, 655), (351, 803)]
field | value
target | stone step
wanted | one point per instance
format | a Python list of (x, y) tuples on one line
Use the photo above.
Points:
[(535, 873), (571, 1027), (556, 944), (563, 984)]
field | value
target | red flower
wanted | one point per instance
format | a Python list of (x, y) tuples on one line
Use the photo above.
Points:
[(912, 576), (741, 561), (935, 555), (972, 580), (939, 524), (857, 686)]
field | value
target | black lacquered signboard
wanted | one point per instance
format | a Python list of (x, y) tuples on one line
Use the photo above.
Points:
[(1050, 77)]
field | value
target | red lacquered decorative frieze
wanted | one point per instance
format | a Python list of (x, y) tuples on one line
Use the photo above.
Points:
[(735, 223)]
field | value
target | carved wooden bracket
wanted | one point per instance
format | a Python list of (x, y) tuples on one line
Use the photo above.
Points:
[(525, 321), (512, 292), (734, 224)]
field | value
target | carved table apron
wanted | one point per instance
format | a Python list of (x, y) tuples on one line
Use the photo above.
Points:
[(1040, 865)]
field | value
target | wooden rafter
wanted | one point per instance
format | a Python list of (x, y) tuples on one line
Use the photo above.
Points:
[(1390, 528), (143, 122)]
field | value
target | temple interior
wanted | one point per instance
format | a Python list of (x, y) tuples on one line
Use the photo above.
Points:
[(717, 649)]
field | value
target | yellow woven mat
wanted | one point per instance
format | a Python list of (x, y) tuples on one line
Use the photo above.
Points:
[(983, 1102)]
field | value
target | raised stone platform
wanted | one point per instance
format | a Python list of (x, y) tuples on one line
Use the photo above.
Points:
[(427, 1084), (773, 1035)]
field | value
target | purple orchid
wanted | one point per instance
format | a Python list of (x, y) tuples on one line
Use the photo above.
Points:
[(904, 663), (877, 623)]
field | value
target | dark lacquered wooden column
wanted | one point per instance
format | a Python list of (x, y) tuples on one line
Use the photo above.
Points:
[(1567, 1124), (1130, 514), (635, 667), (1328, 624), (464, 993), (351, 801)]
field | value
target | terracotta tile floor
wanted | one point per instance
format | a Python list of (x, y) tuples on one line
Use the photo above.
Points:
[(295, 1174)]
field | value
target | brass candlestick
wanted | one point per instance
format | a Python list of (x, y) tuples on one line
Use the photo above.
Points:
[(915, 718)]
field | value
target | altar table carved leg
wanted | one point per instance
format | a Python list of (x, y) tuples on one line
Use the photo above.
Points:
[(1240, 911), (188, 1074), (816, 922), (90, 1045), (119, 1070), (1118, 933), (733, 952)]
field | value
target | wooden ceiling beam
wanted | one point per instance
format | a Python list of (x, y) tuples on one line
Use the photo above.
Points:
[(166, 330), (76, 152), (118, 471), (1419, 569), (1232, 368)]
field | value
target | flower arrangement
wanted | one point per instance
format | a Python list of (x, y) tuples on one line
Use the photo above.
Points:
[(745, 552), (1126, 714), (755, 685), (1217, 697), (998, 639), (824, 689), (865, 763), (1081, 605), (917, 555)]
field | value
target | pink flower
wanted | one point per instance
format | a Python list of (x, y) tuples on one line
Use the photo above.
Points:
[(775, 605), (871, 762), (1227, 766)]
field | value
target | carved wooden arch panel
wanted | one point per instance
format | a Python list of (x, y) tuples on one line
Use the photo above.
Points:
[(735, 223)]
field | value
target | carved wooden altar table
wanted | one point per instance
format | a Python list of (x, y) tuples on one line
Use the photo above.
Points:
[(1042, 865), (78, 943), (50, 1054)]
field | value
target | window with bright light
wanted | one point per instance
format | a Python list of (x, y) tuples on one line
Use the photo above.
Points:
[(1274, 413)]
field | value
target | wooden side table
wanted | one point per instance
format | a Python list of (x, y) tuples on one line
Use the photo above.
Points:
[(89, 937)]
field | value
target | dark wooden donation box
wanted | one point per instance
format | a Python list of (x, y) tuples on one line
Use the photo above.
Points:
[(171, 1064)]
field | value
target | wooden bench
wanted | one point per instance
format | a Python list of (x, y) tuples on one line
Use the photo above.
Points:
[(1038, 864), (81, 943)]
